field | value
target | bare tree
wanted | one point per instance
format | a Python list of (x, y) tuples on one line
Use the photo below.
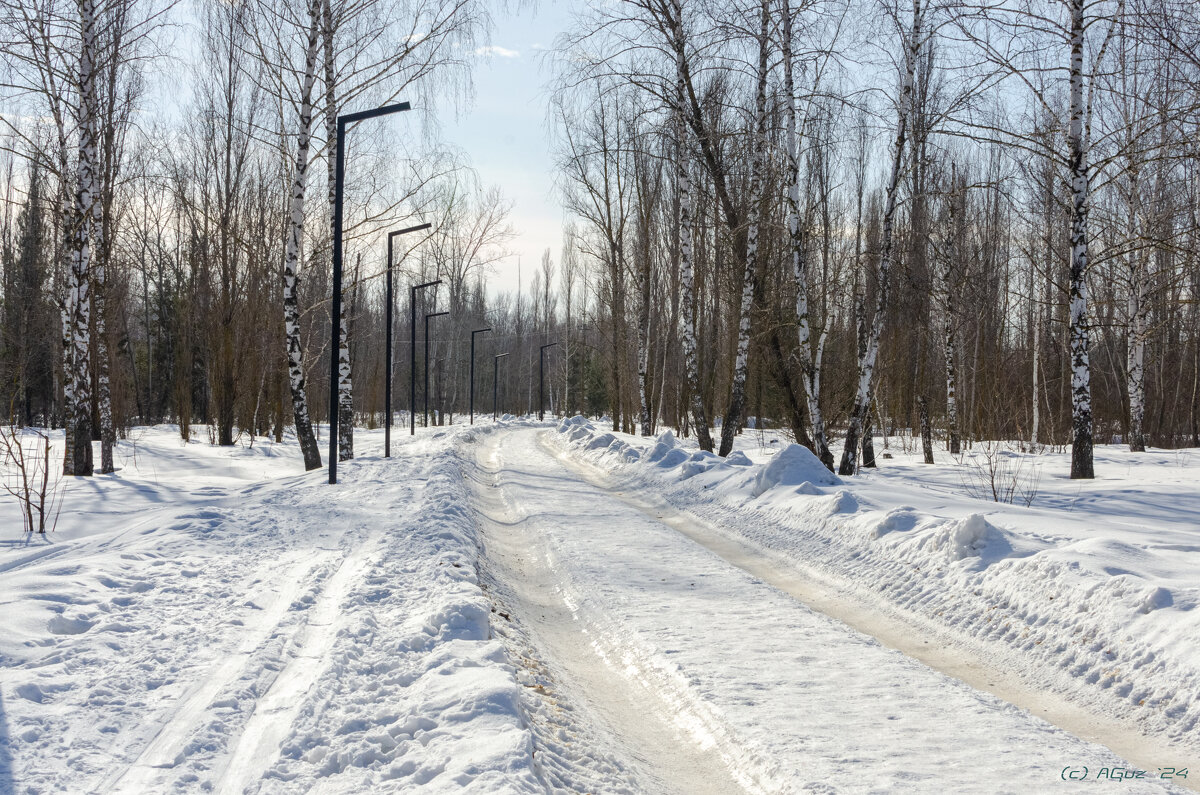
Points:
[(912, 41)]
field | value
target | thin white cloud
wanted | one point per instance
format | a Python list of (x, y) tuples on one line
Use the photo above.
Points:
[(502, 52)]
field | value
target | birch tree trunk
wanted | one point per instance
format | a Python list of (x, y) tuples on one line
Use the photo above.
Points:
[(737, 392), (108, 436), (946, 288), (866, 362), (1043, 308), (1081, 387), (66, 316), (948, 347), (926, 429), (1037, 356), (291, 256), (85, 196), (345, 406), (687, 272), (644, 385), (66, 306), (645, 271), (810, 371), (1135, 354)]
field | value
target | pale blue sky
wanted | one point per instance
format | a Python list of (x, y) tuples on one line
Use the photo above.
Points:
[(506, 138), (503, 132)]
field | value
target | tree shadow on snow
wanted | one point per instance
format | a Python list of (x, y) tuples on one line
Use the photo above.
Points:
[(7, 784)]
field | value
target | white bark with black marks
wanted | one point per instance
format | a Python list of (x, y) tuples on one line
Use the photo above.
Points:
[(1138, 333), (291, 256), (345, 406), (741, 361), (1081, 371), (687, 272), (867, 359), (946, 292), (80, 425), (810, 364)]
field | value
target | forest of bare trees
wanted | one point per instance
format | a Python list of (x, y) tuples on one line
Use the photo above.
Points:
[(842, 218), (961, 221)]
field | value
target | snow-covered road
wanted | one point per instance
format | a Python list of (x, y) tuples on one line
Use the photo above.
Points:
[(491, 611), (686, 670)]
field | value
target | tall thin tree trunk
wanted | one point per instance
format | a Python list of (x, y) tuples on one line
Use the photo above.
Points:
[(291, 257), (687, 272), (1037, 355), (108, 435), (810, 373), (644, 384), (926, 429), (949, 253), (345, 406), (617, 305), (1081, 371), (737, 392), (866, 364), (85, 195), (1135, 355)]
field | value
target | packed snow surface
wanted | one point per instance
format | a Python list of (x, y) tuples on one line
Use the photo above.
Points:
[(522, 608), (1089, 591)]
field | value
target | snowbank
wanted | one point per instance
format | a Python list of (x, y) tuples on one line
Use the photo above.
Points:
[(1074, 601), (794, 466)]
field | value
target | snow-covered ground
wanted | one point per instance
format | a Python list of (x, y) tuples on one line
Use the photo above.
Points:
[(524, 608), (1089, 593), (215, 619)]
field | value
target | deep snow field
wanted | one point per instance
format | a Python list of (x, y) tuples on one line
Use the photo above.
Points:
[(511, 608)]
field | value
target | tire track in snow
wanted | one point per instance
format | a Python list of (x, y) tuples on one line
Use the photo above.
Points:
[(165, 750), (275, 712), (674, 753), (801, 700), (891, 627)]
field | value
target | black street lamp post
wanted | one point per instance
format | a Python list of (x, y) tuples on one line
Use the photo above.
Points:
[(412, 347), (387, 397), (339, 172), (431, 314), (542, 379), (496, 381), (473, 333)]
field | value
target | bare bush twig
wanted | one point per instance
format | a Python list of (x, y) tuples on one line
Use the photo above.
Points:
[(992, 472), (30, 481)]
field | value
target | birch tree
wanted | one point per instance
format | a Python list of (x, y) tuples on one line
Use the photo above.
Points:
[(810, 363), (1081, 369), (295, 233), (948, 253), (912, 41), (683, 189), (79, 402), (737, 390)]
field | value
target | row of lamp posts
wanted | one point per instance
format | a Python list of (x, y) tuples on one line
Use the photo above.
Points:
[(343, 123)]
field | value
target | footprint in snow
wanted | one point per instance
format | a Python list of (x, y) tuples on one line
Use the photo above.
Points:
[(62, 625)]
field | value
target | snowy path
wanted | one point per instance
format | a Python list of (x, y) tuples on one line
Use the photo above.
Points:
[(626, 719), (276, 711), (148, 772), (694, 660), (286, 636)]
